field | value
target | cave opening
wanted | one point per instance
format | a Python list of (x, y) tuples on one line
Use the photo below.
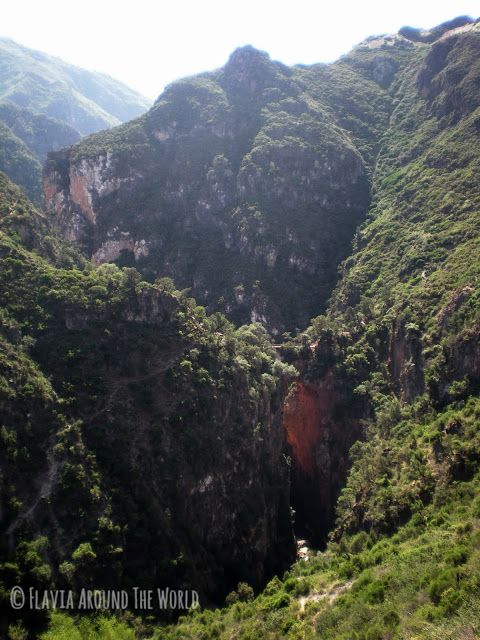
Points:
[(314, 515)]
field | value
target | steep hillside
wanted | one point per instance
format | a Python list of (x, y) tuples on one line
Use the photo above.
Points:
[(403, 324), (245, 184), (141, 440), (85, 100), (47, 104)]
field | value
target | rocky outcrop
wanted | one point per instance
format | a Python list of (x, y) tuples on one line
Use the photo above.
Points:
[(447, 87), (406, 362)]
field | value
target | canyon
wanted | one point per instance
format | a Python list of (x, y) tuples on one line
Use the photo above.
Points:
[(325, 218)]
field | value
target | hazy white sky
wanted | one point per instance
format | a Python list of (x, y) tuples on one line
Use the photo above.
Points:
[(147, 44)]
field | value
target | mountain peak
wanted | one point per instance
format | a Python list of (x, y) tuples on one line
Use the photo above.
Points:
[(247, 55), (250, 70)]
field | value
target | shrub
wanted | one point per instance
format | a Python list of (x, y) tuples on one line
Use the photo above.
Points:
[(457, 556), (278, 601), (375, 593), (231, 598), (374, 633), (17, 632), (450, 601), (391, 619), (441, 583), (84, 553), (244, 591)]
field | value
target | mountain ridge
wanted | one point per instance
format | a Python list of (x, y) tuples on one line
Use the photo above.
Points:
[(260, 149)]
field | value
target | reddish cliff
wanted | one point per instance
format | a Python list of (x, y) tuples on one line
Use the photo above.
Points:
[(306, 411), (319, 439)]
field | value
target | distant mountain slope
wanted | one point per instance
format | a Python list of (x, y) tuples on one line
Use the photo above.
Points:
[(47, 104), (25, 139), (38, 132), (86, 100), (19, 163)]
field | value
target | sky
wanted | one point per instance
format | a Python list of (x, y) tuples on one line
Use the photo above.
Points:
[(149, 43)]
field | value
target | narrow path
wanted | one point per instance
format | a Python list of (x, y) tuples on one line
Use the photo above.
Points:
[(331, 595), (46, 487)]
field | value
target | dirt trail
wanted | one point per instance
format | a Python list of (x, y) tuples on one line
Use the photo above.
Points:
[(330, 596), (46, 487)]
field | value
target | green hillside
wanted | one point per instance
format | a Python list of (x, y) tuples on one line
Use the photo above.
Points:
[(18, 161), (40, 133), (85, 354)]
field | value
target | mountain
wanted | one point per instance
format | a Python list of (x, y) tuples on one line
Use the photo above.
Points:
[(239, 184), (384, 419), (48, 104), (148, 442)]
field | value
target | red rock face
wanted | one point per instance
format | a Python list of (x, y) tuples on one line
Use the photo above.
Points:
[(320, 430), (80, 195), (53, 198), (306, 411), (49, 188)]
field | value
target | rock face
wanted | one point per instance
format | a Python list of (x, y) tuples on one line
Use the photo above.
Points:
[(242, 184), (319, 443)]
